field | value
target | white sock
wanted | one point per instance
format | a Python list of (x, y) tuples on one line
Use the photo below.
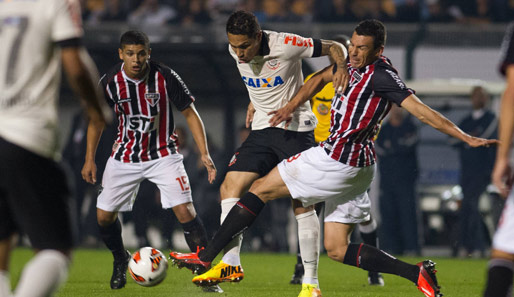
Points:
[(5, 284), (43, 274), (232, 250), (309, 240)]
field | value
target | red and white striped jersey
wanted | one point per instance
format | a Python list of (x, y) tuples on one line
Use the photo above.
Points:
[(356, 115), (146, 129)]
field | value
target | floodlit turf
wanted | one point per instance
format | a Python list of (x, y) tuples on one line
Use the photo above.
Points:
[(266, 275)]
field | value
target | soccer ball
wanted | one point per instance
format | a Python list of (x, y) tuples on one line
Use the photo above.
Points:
[(148, 266)]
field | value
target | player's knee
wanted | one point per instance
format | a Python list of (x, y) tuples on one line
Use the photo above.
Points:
[(336, 252), (105, 218)]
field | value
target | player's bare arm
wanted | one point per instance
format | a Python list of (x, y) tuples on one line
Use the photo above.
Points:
[(433, 118), (94, 132), (309, 89), (250, 111), (502, 175), (82, 75), (338, 53), (198, 130)]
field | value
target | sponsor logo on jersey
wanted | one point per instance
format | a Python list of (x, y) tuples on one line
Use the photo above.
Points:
[(396, 78), (257, 82), (142, 123), (298, 41), (123, 100), (273, 64), (152, 98)]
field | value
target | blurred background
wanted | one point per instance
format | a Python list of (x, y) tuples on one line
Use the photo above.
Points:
[(442, 49)]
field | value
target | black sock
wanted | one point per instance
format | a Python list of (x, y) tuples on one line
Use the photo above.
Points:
[(195, 234), (111, 236), (372, 259), (370, 238), (499, 278), (239, 218)]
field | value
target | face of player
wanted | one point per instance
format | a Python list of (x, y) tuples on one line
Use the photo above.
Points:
[(246, 48), (135, 57), (361, 51)]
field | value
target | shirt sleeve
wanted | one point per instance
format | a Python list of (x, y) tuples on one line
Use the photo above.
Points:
[(388, 85), (507, 49), (296, 46), (178, 92), (67, 21)]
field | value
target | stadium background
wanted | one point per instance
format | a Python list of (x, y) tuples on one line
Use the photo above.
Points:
[(440, 58)]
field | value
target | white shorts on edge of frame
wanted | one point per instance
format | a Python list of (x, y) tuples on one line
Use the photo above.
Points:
[(504, 237), (312, 177), (121, 181)]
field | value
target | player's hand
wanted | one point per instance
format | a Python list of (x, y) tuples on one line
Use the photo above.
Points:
[(283, 114), (249, 115), (89, 172), (478, 142), (502, 177), (209, 165), (340, 79)]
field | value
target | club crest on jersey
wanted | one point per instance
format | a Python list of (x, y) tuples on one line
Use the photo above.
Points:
[(356, 77), (258, 82), (323, 109), (273, 64), (152, 98)]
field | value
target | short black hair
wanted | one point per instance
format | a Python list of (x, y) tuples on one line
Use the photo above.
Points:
[(134, 37), (243, 23), (373, 28)]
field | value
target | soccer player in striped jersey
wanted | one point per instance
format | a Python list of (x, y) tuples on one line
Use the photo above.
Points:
[(270, 66), (142, 93), (501, 264), (37, 39), (340, 170), (321, 103)]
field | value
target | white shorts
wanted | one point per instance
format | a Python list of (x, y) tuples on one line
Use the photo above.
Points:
[(312, 177), (121, 182), (504, 237)]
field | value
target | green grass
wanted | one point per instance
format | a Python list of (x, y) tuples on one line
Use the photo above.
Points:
[(266, 275)]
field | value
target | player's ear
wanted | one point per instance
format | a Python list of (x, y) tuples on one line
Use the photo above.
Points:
[(120, 53), (149, 52)]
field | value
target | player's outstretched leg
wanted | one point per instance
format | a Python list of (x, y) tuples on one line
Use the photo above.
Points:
[(373, 259)]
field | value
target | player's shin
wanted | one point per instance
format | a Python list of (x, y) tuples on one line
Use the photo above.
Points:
[(195, 234), (240, 217), (232, 249), (309, 242)]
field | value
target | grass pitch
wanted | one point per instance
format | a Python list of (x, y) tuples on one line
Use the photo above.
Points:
[(266, 275)]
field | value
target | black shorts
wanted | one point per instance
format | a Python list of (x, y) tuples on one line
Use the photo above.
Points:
[(264, 149), (34, 198)]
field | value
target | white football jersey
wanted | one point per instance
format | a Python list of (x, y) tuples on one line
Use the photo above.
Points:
[(273, 78), (30, 69)]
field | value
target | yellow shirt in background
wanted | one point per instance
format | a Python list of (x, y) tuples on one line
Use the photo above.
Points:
[(321, 103)]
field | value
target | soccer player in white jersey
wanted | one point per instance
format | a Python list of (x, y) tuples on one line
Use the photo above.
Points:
[(270, 66), (38, 37), (340, 170), (501, 265), (142, 93)]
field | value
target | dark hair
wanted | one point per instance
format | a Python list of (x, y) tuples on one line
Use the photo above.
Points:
[(373, 28), (243, 23), (134, 37)]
